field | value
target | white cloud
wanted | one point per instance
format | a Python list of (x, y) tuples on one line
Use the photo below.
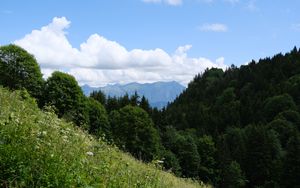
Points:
[(100, 61), (50, 45), (215, 27), (169, 2)]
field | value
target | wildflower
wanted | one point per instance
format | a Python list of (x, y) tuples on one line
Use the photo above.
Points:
[(89, 153), (158, 162)]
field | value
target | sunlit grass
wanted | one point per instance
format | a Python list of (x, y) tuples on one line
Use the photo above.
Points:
[(39, 150)]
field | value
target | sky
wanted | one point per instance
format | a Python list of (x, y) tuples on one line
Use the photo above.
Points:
[(103, 42)]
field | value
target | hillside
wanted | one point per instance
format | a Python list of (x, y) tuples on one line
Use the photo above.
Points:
[(39, 150), (249, 115), (233, 128), (159, 94)]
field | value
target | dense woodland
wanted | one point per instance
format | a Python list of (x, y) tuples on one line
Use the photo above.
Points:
[(233, 128)]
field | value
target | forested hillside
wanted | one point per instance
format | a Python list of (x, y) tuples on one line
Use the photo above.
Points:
[(242, 124), (37, 149), (233, 128)]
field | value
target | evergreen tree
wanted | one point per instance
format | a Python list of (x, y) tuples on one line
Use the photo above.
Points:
[(234, 177), (134, 99), (263, 155), (144, 104), (188, 156), (284, 129), (124, 100), (134, 129), (171, 162), (290, 175), (235, 141), (99, 96), (207, 151), (275, 105), (112, 104)]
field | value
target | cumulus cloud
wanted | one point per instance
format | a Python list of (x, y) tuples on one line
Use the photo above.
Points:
[(215, 27), (169, 2), (99, 61)]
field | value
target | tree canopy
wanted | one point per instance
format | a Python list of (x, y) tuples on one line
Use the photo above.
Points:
[(233, 128), (134, 129), (63, 92), (19, 69)]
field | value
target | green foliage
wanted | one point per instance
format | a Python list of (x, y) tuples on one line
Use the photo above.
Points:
[(229, 106), (112, 104), (290, 175), (275, 105), (228, 110), (144, 104), (207, 151), (134, 99), (235, 141), (63, 92), (234, 129), (188, 156), (39, 150), (293, 87), (184, 146), (134, 130), (98, 119), (234, 177), (284, 129), (263, 155), (99, 96), (171, 162), (19, 69), (290, 116)]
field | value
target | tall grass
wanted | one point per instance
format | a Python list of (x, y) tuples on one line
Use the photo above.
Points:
[(39, 150)]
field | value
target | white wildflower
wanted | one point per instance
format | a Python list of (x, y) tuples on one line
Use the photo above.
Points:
[(65, 137), (89, 153)]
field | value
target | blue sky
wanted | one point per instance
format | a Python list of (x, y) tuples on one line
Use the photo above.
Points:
[(209, 32)]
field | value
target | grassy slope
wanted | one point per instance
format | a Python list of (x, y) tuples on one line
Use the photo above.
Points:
[(39, 150)]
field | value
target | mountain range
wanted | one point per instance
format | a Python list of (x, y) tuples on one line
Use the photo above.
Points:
[(159, 94)]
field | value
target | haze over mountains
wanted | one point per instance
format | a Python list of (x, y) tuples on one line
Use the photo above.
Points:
[(158, 93)]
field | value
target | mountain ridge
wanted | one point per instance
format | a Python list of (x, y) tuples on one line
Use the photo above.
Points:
[(159, 94)]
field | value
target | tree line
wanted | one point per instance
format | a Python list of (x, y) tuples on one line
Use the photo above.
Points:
[(233, 128), (251, 116)]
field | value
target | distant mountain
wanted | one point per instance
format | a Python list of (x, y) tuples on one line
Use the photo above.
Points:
[(158, 93)]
